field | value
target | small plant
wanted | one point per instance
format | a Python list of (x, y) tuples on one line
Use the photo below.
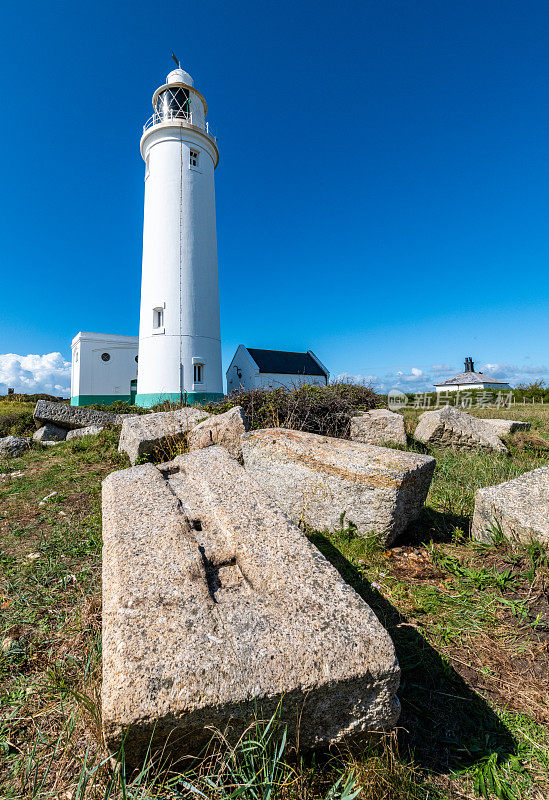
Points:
[(538, 560), (458, 536), (489, 780), (495, 533), (346, 531), (479, 577)]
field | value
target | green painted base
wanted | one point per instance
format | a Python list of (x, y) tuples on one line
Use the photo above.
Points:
[(150, 400), (103, 399)]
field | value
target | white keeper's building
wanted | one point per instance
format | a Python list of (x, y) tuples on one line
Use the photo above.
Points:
[(469, 380), (104, 368), (252, 368)]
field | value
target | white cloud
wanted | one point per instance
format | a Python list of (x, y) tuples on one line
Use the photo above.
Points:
[(515, 374), (364, 380), (32, 374), (402, 376), (443, 369)]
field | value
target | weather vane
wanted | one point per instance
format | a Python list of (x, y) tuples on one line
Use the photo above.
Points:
[(175, 58)]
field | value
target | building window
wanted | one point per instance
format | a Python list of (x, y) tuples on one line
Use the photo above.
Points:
[(105, 357), (198, 373), (193, 158), (158, 318), (136, 359)]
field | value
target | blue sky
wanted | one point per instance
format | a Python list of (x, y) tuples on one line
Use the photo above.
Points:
[(382, 194)]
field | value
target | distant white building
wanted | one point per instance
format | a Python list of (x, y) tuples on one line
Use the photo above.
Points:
[(469, 380), (252, 368), (103, 368)]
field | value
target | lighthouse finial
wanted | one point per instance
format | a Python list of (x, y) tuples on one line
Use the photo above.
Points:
[(175, 58)]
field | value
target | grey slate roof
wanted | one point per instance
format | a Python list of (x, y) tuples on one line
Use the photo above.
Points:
[(282, 362), (469, 377)]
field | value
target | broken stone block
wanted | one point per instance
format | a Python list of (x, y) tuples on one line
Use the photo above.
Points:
[(71, 417), (504, 427), (50, 433), (451, 427), (157, 435), (216, 609), (520, 508), (14, 446), (315, 479), (90, 430), (223, 429), (378, 426)]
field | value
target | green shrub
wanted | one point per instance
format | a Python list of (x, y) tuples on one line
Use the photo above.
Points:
[(17, 424), (32, 398), (325, 410)]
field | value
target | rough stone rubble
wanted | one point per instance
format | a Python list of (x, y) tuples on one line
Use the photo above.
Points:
[(50, 433), (504, 427), (89, 430), (14, 446), (223, 429), (519, 508), (157, 434), (379, 426), (451, 427)]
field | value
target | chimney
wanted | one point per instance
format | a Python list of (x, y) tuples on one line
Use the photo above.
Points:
[(469, 365)]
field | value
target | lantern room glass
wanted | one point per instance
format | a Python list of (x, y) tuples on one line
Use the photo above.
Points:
[(172, 103)]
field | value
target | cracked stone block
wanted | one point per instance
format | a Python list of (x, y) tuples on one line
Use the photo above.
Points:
[(216, 609), (157, 434), (71, 417), (378, 426), (315, 479), (451, 427), (520, 508)]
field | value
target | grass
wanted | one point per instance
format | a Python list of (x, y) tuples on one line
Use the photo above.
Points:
[(16, 418), (470, 624)]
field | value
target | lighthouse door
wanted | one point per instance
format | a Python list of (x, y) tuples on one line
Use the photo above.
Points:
[(133, 392)]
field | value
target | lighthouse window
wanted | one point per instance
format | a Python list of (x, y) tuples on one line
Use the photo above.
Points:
[(193, 158), (158, 318), (198, 372), (105, 357), (172, 103)]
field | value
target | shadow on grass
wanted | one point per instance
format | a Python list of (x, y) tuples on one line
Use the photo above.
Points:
[(445, 725), (433, 525)]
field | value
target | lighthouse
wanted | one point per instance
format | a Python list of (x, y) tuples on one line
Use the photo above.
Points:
[(179, 332)]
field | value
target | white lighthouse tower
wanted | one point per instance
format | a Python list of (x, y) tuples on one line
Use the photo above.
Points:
[(179, 334)]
